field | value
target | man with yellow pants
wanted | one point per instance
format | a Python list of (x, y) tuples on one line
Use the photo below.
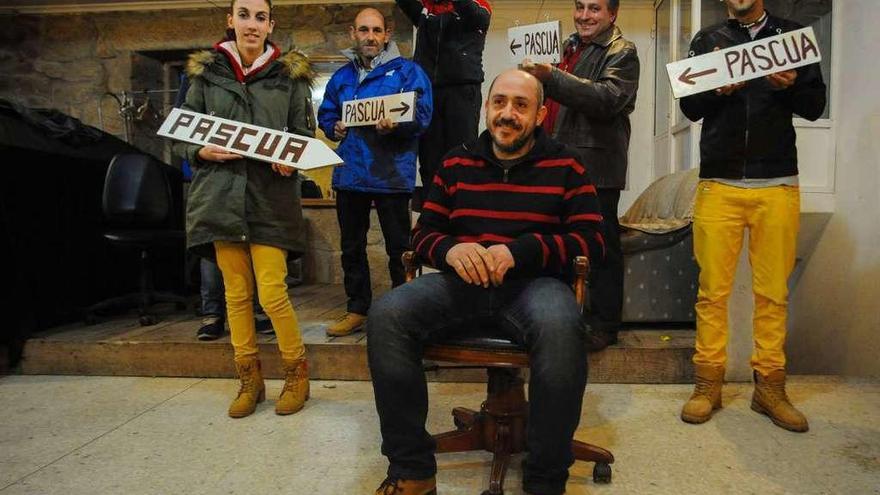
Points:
[(749, 180)]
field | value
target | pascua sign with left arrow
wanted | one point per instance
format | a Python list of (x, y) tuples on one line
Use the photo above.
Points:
[(539, 43), (744, 62), (399, 107)]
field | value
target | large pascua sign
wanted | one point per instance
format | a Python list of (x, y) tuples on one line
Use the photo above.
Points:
[(743, 62), (399, 107), (252, 141)]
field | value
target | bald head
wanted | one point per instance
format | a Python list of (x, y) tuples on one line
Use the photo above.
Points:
[(369, 16), (520, 77), (369, 34), (514, 109)]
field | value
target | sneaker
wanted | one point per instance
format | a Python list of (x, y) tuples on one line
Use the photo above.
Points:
[(213, 327), (346, 324)]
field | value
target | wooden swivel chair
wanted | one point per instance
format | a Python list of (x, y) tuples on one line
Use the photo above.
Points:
[(500, 425)]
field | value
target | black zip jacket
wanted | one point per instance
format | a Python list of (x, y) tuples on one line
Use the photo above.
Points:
[(749, 134), (451, 37), (544, 208), (597, 98)]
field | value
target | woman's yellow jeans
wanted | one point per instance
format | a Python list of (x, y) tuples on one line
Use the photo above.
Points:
[(239, 263), (721, 215)]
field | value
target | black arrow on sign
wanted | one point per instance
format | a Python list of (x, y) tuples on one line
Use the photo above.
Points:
[(688, 78), (513, 46), (402, 109)]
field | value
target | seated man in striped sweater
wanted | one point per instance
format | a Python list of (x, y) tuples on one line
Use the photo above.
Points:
[(503, 220)]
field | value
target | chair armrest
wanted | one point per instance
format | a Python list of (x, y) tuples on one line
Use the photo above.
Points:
[(411, 265), (579, 283)]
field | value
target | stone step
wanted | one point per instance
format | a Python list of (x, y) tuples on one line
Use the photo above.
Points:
[(121, 347)]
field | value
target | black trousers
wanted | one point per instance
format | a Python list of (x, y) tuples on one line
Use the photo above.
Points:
[(606, 279), (456, 120), (353, 213)]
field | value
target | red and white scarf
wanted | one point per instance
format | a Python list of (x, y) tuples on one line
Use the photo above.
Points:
[(242, 73)]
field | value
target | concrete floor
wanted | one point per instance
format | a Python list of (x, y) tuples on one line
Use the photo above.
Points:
[(77, 435)]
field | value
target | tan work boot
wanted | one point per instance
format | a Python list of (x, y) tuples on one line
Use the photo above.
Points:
[(707, 394), (392, 486), (770, 398), (252, 390), (296, 386), (346, 325)]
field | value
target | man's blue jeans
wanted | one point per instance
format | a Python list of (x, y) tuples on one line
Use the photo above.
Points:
[(540, 313), (211, 289)]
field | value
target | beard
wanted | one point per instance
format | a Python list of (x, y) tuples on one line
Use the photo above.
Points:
[(363, 48), (514, 146), (518, 143)]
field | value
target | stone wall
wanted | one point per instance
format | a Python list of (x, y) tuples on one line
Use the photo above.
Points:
[(321, 263), (70, 62)]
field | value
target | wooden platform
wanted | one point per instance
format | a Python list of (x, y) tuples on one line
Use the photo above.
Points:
[(121, 347)]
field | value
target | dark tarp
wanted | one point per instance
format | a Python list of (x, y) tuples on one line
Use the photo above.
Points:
[(55, 259)]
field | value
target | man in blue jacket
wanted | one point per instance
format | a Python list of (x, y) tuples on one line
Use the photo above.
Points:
[(380, 160)]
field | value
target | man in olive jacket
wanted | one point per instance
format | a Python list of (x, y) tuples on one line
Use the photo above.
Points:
[(589, 98)]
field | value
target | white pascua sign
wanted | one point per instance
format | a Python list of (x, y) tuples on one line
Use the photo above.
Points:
[(743, 62), (252, 141), (399, 107), (538, 42)]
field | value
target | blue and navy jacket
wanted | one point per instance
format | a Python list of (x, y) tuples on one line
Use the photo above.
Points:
[(376, 163)]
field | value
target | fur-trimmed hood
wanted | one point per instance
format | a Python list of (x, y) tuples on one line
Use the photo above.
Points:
[(296, 64)]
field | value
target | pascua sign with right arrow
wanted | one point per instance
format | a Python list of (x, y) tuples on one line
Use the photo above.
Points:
[(743, 62), (399, 107)]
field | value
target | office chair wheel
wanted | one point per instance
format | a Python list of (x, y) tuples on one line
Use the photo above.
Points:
[(601, 473), (147, 320)]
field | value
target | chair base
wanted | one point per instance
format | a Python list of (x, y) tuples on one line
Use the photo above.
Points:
[(142, 301), (500, 428)]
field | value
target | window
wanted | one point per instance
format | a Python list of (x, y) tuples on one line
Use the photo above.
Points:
[(662, 89)]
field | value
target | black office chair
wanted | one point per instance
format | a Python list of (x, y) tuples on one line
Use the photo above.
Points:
[(139, 207)]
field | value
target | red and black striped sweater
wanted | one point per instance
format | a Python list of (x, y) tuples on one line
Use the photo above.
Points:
[(544, 208)]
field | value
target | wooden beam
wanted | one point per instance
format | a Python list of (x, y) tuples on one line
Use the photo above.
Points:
[(55, 7)]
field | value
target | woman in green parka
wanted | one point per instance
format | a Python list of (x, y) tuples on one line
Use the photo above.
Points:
[(245, 212)]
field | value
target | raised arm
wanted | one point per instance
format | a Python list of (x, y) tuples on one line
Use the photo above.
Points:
[(412, 9), (474, 13), (604, 97)]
